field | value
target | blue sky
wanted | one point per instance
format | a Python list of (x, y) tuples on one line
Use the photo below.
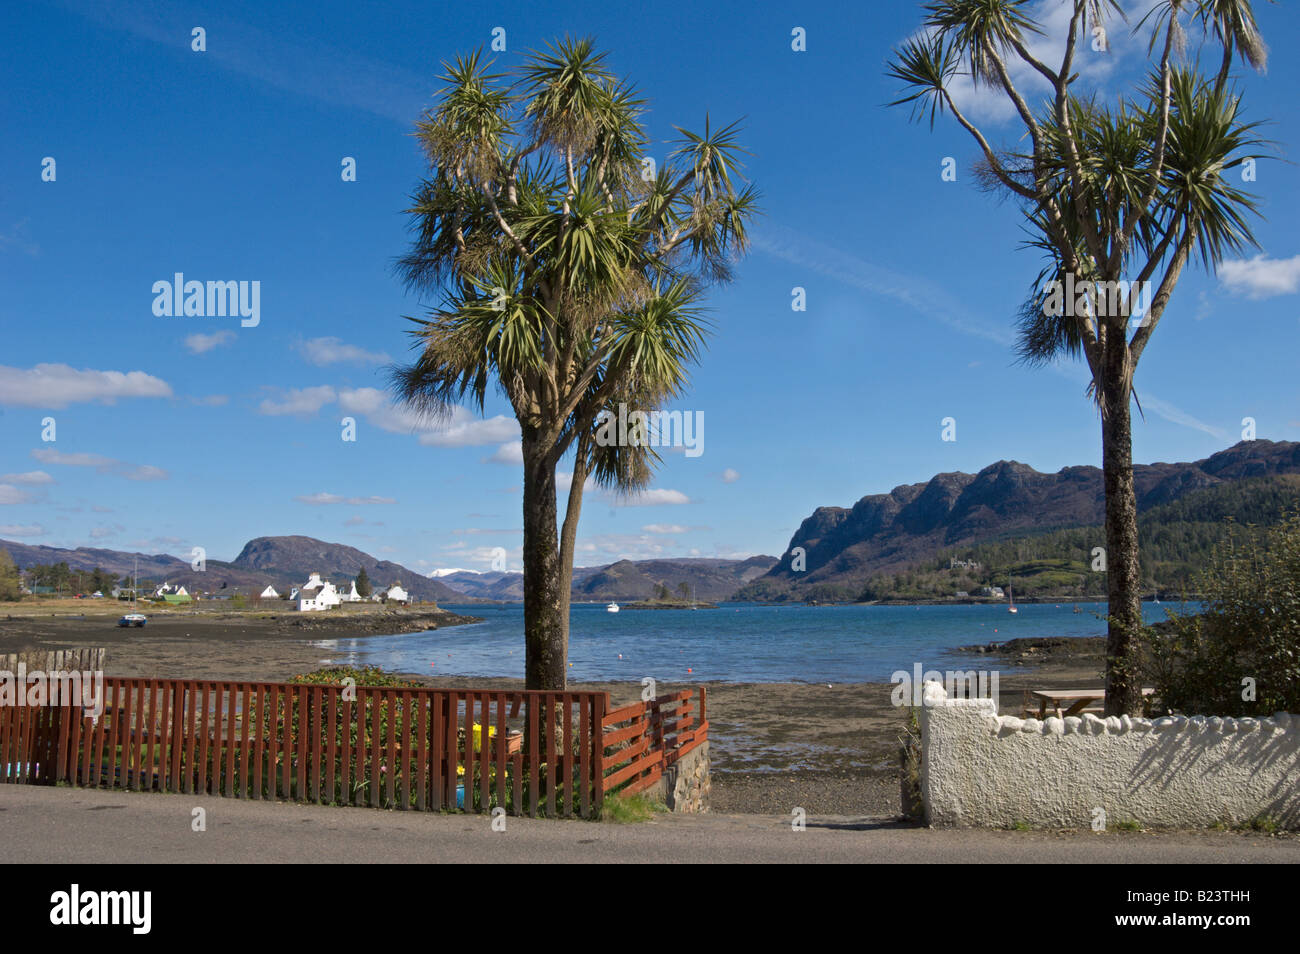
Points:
[(176, 432)]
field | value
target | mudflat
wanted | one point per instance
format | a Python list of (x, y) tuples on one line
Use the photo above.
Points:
[(828, 749)]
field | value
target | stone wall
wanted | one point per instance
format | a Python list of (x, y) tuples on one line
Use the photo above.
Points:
[(685, 785), (979, 769)]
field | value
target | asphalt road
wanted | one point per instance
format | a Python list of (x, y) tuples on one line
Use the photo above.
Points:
[(78, 826)]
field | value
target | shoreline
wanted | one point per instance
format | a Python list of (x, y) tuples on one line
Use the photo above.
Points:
[(826, 748)]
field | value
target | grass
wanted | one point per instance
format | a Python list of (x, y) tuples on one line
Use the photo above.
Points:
[(630, 809)]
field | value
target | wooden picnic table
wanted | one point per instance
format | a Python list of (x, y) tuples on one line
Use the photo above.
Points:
[(1070, 702)]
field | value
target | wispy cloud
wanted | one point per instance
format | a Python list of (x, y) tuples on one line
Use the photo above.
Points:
[(22, 530), (1178, 416), (922, 295), (201, 344), (301, 401), (101, 464), (10, 494), (58, 385), (32, 478), (326, 351), (281, 60), (324, 499)]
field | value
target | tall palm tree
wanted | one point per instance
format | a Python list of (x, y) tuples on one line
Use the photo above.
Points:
[(1117, 198), (571, 270)]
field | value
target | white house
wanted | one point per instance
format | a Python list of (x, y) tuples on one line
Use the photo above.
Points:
[(168, 590), (316, 595), (351, 596), (270, 594), (398, 595)]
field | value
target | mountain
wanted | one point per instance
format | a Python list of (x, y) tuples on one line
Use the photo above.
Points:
[(709, 579), (889, 533), (299, 557), (282, 562)]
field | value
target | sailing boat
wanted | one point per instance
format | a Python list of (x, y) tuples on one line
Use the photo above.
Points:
[(1011, 596)]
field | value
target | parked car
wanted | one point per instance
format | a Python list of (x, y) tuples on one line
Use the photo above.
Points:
[(133, 619)]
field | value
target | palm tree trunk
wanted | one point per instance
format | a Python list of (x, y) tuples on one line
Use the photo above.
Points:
[(569, 529), (1123, 681), (546, 636)]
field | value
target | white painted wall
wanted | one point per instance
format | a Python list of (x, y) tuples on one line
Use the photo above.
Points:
[(979, 769)]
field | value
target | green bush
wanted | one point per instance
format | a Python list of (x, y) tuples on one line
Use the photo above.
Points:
[(1248, 635)]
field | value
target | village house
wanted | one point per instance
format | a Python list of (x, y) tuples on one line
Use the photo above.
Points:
[(317, 595)]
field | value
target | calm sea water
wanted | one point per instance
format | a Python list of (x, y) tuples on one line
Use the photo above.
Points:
[(738, 642)]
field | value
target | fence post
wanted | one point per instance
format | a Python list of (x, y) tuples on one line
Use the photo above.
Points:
[(598, 743)]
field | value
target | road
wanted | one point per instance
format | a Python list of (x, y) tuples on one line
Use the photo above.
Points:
[(69, 825)]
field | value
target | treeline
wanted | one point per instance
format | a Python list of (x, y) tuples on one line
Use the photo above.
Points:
[(63, 579)]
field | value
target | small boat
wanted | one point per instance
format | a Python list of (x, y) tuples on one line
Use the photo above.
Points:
[(611, 608), (1012, 607)]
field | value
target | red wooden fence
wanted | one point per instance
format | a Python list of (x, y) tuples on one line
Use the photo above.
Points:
[(644, 739), (423, 749)]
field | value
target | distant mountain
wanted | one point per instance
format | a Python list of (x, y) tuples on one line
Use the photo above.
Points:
[(708, 579), (888, 533), (299, 557), (282, 562)]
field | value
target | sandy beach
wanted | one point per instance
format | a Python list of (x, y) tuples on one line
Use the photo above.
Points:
[(829, 749)]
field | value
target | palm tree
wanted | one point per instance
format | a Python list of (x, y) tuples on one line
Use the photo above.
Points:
[(571, 269), (1137, 189)]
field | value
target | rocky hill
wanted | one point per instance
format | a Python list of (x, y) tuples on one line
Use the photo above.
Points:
[(708, 579), (885, 533)]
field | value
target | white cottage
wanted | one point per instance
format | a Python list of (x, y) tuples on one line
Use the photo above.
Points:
[(316, 595), (270, 594), (398, 595)]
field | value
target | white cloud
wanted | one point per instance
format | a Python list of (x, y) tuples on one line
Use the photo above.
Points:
[(1261, 276), (212, 400), (32, 478), (462, 428), (101, 464), (467, 430), (201, 344), (653, 497), (11, 494), (354, 521), (58, 385), (298, 401), (19, 530), (324, 499), (326, 351), (665, 528), (730, 476), (511, 453)]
